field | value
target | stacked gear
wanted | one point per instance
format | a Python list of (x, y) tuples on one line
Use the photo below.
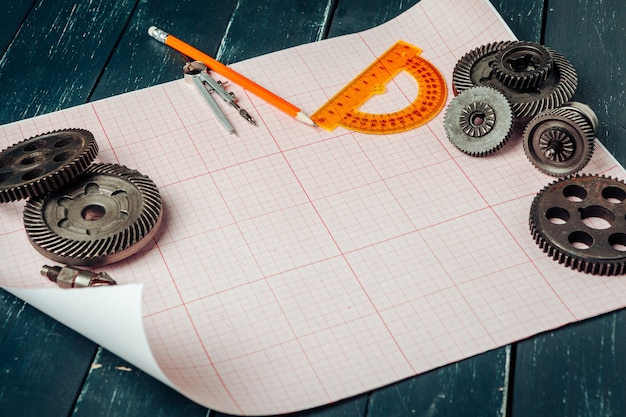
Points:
[(78, 213), (538, 84), (578, 220), (534, 78)]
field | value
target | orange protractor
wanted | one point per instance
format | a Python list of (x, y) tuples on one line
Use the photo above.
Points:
[(343, 108)]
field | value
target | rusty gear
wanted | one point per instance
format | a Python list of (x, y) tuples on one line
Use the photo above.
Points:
[(561, 141), (105, 215), (479, 121), (580, 221), (522, 65), (478, 67), (43, 163)]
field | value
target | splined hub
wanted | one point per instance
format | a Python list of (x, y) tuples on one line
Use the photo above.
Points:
[(479, 121), (580, 221), (561, 141), (38, 165), (522, 65), (103, 216)]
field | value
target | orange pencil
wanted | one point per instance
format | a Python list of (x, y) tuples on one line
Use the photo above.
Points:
[(229, 73)]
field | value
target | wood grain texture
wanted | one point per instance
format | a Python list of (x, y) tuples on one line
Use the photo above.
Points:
[(257, 28), (524, 17), (140, 61), (574, 371), (579, 370), (116, 388), (592, 35), (474, 387), (353, 16), (12, 14), (352, 407), (63, 47), (42, 363)]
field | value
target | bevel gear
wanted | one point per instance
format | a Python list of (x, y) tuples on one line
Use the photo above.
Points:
[(43, 163), (522, 65), (105, 215), (561, 141), (479, 121), (580, 221), (480, 67)]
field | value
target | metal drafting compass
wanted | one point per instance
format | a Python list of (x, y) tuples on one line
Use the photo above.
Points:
[(196, 73), (343, 108)]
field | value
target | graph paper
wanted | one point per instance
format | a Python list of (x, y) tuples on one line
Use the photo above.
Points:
[(297, 266)]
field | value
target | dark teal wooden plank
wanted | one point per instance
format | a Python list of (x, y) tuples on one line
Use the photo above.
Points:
[(140, 61), (11, 15), (578, 370), (258, 28), (353, 16), (58, 54), (474, 387), (116, 388), (524, 17), (592, 36), (42, 363), (351, 407)]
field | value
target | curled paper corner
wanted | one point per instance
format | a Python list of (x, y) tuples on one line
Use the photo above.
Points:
[(109, 316)]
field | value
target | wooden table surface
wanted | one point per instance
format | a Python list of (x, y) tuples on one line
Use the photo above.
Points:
[(61, 53)]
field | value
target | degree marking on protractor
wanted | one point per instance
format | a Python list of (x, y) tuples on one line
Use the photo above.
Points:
[(342, 108)]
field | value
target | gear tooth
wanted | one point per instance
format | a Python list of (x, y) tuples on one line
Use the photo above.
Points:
[(522, 65), (495, 128), (122, 241), (42, 149), (599, 258), (573, 127), (462, 75)]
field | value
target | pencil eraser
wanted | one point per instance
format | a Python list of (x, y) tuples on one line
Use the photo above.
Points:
[(157, 33)]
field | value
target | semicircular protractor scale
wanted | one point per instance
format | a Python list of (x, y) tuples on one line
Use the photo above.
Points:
[(343, 108)]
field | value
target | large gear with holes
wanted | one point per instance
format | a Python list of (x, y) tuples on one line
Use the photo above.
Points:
[(479, 121), (43, 163), (532, 81), (107, 214), (561, 141), (580, 221)]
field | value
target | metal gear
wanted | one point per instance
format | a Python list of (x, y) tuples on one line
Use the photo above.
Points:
[(580, 221), (105, 215), (43, 163), (478, 67), (479, 121), (522, 65), (560, 142)]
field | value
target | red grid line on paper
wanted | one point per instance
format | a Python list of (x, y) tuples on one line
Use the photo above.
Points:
[(297, 266)]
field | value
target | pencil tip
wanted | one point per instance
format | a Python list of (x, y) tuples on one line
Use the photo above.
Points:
[(305, 119)]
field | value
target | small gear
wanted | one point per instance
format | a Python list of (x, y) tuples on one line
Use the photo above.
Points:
[(43, 163), (580, 221), (560, 142), (105, 215), (479, 67), (522, 65), (479, 121)]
